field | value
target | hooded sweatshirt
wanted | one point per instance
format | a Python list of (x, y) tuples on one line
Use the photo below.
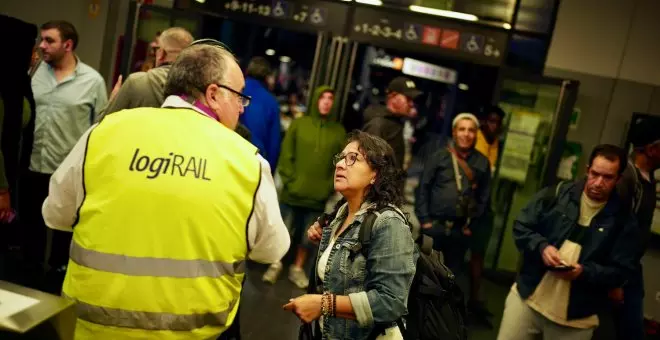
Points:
[(305, 163), (140, 89), (379, 121)]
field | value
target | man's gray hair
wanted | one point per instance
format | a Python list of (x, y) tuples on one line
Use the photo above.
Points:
[(197, 67)]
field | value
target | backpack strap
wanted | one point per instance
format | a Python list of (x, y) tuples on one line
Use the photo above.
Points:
[(368, 224), (550, 198), (637, 188)]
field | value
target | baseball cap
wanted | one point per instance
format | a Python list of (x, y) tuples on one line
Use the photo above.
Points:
[(644, 133), (405, 86)]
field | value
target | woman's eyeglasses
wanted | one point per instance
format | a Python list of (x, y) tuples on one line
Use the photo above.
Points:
[(350, 158)]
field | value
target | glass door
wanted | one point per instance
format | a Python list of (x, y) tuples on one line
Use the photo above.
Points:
[(138, 46), (538, 111), (300, 58)]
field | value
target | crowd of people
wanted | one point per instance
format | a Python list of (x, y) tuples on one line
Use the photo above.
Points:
[(155, 198)]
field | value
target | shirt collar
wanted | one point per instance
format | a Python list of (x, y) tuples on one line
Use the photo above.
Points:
[(76, 70), (364, 208), (180, 103)]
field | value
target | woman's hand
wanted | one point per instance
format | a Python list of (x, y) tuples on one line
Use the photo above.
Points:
[(306, 307), (314, 233)]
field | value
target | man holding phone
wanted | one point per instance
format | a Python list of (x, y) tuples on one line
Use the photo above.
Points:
[(578, 240)]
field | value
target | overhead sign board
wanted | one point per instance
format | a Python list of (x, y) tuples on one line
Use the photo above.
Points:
[(428, 34), (312, 16), (421, 69)]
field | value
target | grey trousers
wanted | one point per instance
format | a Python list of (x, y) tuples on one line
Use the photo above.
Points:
[(520, 322)]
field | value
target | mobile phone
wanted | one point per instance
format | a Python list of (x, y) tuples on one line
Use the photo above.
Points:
[(561, 268)]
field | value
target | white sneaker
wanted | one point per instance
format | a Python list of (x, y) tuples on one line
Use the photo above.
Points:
[(272, 273), (298, 277)]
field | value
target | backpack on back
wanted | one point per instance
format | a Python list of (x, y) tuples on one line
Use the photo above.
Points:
[(436, 307)]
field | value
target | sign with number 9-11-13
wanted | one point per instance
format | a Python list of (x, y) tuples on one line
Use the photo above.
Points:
[(312, 16)]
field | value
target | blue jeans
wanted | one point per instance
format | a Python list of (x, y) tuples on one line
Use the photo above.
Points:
[(298, 220), (629, 317)]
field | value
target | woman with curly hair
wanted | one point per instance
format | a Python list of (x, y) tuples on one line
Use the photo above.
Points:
[(356, 296)]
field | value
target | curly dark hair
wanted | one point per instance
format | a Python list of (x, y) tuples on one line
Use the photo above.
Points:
[(388, 187)]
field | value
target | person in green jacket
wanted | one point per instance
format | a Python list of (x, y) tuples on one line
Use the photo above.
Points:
[(307, 173)]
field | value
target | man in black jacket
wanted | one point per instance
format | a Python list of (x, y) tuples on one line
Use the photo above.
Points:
[(578, 240), (637, 187), (453, 191), (387, 121)]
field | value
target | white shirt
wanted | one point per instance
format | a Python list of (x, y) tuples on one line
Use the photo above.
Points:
[(267, 235)]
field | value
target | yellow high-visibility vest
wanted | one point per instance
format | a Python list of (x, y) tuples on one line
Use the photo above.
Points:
[(160, 245)]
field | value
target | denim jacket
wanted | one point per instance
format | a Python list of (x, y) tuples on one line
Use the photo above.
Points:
[(378, 285)]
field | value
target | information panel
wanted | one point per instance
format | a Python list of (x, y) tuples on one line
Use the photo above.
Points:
[(428, 34), (312, 16)]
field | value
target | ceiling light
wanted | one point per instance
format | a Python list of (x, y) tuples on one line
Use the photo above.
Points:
[(285, 59), (370, 2), (270, 52), (443, 13), (201, 1), (463, 87), (506, 25)]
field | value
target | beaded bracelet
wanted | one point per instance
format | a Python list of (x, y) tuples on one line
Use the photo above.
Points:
[(327, 306)]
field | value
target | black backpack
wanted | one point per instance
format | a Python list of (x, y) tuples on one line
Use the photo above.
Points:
[(436, 306)]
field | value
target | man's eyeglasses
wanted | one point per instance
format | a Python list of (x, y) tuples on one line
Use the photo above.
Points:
[(350, 158), (245, 100)]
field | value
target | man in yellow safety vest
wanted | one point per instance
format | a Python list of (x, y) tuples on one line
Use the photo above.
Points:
[(166, 205)]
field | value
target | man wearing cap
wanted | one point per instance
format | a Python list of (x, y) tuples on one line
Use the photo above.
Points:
[(453, 191), (638, 188), (388, 121)]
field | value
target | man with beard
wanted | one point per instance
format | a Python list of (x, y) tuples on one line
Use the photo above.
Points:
[(68, 95), (577, 240)]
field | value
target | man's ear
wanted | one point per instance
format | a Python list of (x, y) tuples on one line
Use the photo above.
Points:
[(210, 96), (68, 45)]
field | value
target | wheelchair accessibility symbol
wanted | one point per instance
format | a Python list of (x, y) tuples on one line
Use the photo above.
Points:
[(318, 16), (472, 43), (412, 32), (280, 9)]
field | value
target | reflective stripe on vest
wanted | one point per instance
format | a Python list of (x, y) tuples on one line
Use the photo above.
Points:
[(149, 266), (149, 320), (161, 240)]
